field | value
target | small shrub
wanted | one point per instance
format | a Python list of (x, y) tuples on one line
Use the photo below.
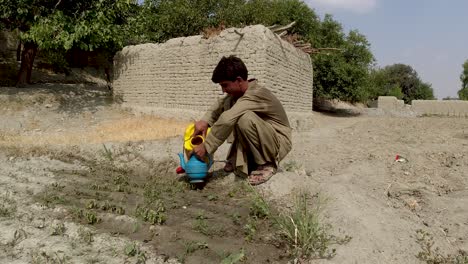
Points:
[(85, 235), (250, 229), (201, 226), (291, 165), (303, 232), (152, 216), (432, 255), (234, 258), (58, 229)]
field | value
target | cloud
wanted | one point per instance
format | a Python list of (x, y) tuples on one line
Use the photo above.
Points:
[(357, 6)]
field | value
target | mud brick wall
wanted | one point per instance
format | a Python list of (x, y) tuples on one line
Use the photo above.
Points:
[(441, 108), (177, 74), (457, 108), (390, 103)]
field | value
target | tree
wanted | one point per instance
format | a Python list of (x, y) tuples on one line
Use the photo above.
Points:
[(63, 24), (388, 80), (463, 92), (345, 74)]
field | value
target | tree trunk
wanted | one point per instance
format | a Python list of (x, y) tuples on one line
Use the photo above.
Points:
[(18, 51), (27, 59)]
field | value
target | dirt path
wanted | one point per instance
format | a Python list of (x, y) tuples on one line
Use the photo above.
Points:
[(51, 171)]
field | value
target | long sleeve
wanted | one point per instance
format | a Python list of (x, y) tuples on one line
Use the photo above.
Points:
[(213, 113), (258, 100)]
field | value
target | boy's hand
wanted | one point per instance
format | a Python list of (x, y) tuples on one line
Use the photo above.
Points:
[(200, 151), (200, 128)]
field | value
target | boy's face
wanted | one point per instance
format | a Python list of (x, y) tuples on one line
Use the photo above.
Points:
[(232, 88)]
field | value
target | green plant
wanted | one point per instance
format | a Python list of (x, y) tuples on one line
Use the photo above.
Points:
[(7, 206), (234, 258), (291, 165), (250, 229), (85, 235), (108, 153), (91, 217), (132, 250), (192, 246), (49, 258), (236, 218), (432, 255), (303, 231), (259, 208), (200, 225), (153, 216), (58, 229), (49, 198)]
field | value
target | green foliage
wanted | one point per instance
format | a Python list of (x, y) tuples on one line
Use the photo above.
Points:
[(463, 92), (109, 25), (61, 25), (152, 216), (432, 255), (302, 229), (401, 81), (345, 74)]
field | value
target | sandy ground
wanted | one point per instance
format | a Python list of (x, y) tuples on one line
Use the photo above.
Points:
[(350, 161)]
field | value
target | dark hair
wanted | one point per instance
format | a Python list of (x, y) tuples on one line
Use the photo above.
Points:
[(228, 69)]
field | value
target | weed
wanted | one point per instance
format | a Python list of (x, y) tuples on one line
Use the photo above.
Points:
[(259, 208), (132, 250), (98, 187), (303, 232), (201, 226), (90, 216), (236, 218), (92, 204), (85, 235), (234, 258), (49, 258), (49, 198), (58, 229), (151, 193), (291, 165), (136, 227), (432, 255), (92, 260), (190, 247), (250, 229), (212, 197), (108, 153), (7, 205)]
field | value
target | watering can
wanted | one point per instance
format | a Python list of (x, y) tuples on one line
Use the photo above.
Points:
[(195, 168)]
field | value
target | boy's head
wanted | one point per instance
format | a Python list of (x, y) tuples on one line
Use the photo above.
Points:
[(229, 69)]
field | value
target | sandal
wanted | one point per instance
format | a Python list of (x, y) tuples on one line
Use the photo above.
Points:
[(261, 175)]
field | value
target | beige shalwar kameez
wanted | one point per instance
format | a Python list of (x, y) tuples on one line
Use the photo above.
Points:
[(259, 124)]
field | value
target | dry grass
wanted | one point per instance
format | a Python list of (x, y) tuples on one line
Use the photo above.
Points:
[(123, 130)]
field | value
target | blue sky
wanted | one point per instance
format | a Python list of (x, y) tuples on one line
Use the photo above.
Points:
[(429, 35)]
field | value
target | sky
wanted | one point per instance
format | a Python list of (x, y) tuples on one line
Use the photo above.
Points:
[(429, 35)]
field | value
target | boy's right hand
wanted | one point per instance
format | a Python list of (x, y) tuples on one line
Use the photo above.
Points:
[(201, 127)]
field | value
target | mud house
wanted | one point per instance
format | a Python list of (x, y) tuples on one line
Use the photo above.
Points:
[(168, 77)]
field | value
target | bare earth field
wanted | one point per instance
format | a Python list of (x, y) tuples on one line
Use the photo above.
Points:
[(84, 181)]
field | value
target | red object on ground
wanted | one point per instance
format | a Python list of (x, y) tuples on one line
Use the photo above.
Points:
[(180, 170), (399, 158)]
